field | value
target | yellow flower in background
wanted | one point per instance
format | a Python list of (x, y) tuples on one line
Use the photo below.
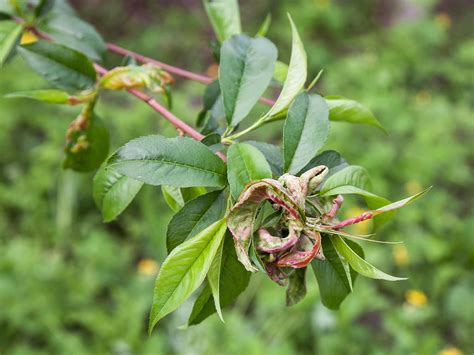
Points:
[(147, 267), (443, 20), (362, 227), (416, 298), (423, 97), (400, 255), (450, 351), (28, 37), (412, 187), (213, 70)]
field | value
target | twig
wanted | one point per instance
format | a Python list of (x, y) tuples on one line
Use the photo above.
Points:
[(336, 204)]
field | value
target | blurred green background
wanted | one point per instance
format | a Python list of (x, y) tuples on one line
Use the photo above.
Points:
[(70, 284)]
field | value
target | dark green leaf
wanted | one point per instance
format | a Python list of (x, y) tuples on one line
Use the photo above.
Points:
[(224, 16), (358, 263), (184, 270), (272, 154), (232, 282), (63, 67), (10, 33), (87, 144), (297, 287), (305, 132), (43, 7), (77, 34), (329, 158), (196, 215), (113, 192), (245, 164), (180, 162), (342, 109), (246, 69)]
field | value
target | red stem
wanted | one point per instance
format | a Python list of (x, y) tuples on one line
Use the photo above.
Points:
[(364, 216), (336, 204)]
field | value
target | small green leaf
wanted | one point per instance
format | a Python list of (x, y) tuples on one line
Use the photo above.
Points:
[(196, 215), (262, 31), (180, 162), (53, 96), (63, 67), (305, 132), (296, 77), (224, 16), (184, 270), (245, 71), (176, 197), (245, 164), (113, 192), (329, 158), (359, 264), (335, 278), (342, 109), (87, 143), (232, 282), (74, 33), (10, 33), (400, 204), (272, 154), (43, 7), (297, 287)]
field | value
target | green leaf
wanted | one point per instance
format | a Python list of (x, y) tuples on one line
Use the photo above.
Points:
[(330, 158), (246, 69), (305, 132), (10, 33), (245, 164), (335, 279), (63, 67), (224, 16), (262, 31), (297, 287), (400, 204), (180, 162), (87, 144), (184, 270), (196, 215), (176, 197), (77, 34), (53, 96), (113, 192), (296, 77), (5, 9), (43, 7), (232, 282), (342, 109), (213, 279), (272, 154), (359, 264)]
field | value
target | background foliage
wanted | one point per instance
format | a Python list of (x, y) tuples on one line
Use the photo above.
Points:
[(70, 284)]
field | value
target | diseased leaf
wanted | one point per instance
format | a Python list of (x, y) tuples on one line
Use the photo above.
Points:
[(43, 7), (305, 132), (87, 143), (272, 154), (74, 33), (245, 71), (342, 109), (180, 162), (233, 281), (196, 215), (334, 278), (297, 287), (224, 16), (359, 264), (63, 67), (113, 192), (245, 164), (296, 77), (184, 270), (53, 96), (10, 33)]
